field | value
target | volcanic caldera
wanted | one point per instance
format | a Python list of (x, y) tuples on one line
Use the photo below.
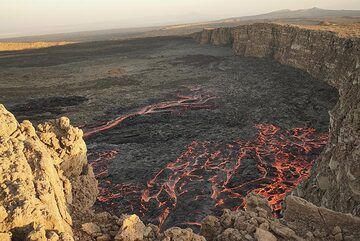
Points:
[(175, 130)]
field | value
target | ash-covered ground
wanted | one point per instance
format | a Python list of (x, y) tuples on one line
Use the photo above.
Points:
[(176, 130)]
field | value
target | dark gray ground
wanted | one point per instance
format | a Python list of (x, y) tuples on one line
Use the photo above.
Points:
[(95, 82)]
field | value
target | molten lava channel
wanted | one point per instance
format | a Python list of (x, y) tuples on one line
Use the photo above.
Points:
[(281, 158), (184, 102)]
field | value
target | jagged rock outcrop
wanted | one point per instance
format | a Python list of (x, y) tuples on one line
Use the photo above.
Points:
[(33, 192), (329, 56), (43, 171), (68, 143)]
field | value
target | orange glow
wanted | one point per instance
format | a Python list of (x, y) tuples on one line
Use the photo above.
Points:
[(272, 164)]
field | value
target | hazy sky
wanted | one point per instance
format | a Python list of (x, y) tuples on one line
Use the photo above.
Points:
[(26, 17)]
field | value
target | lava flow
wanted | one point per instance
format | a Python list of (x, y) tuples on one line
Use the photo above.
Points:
[(210, 176), (282, 159), (220, 175), (196, 101)]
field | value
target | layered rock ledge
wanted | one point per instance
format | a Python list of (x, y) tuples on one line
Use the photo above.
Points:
[(329, 54)]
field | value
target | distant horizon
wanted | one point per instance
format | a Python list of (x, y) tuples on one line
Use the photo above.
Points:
[(34, 20)]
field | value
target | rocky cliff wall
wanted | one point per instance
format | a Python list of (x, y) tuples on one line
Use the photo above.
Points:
[(35, 192), (334, 58)]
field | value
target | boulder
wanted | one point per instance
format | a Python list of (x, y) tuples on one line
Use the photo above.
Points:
[(211, 228), (178, 234), (132, 229), (257, 203), (263, 235), (90, 228)]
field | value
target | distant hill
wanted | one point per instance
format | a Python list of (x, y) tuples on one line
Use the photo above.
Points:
[(312, 16), (302, 13)]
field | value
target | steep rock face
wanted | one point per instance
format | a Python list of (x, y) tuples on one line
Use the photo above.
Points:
[(218, 36), (335, 180), (34, 191), (43, 172), (67, 142)]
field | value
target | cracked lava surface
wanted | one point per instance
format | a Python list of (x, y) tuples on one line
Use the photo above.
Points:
[(212, 172)]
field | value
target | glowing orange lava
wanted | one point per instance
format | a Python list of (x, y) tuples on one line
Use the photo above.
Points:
[(282, 158), (196, 101), (219, 174)]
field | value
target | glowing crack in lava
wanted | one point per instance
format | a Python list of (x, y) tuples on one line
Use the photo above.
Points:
[(282, 160), (217, 175), (196, 101)]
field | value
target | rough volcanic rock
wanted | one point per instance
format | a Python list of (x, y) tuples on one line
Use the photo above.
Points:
[(263, 235), (132, 229), (178, 234), (256, 203), (84, 189), (334, 58), (43, 172), (91, 228), (33, 191), (307, 217), (218, 36), (68, 144), (211, 228), (302, 221)]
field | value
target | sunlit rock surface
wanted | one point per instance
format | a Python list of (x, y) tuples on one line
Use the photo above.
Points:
[(34, 192), (44, 172), (68, 144)]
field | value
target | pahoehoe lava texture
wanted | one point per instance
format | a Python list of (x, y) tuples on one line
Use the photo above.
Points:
[(122, 77)]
